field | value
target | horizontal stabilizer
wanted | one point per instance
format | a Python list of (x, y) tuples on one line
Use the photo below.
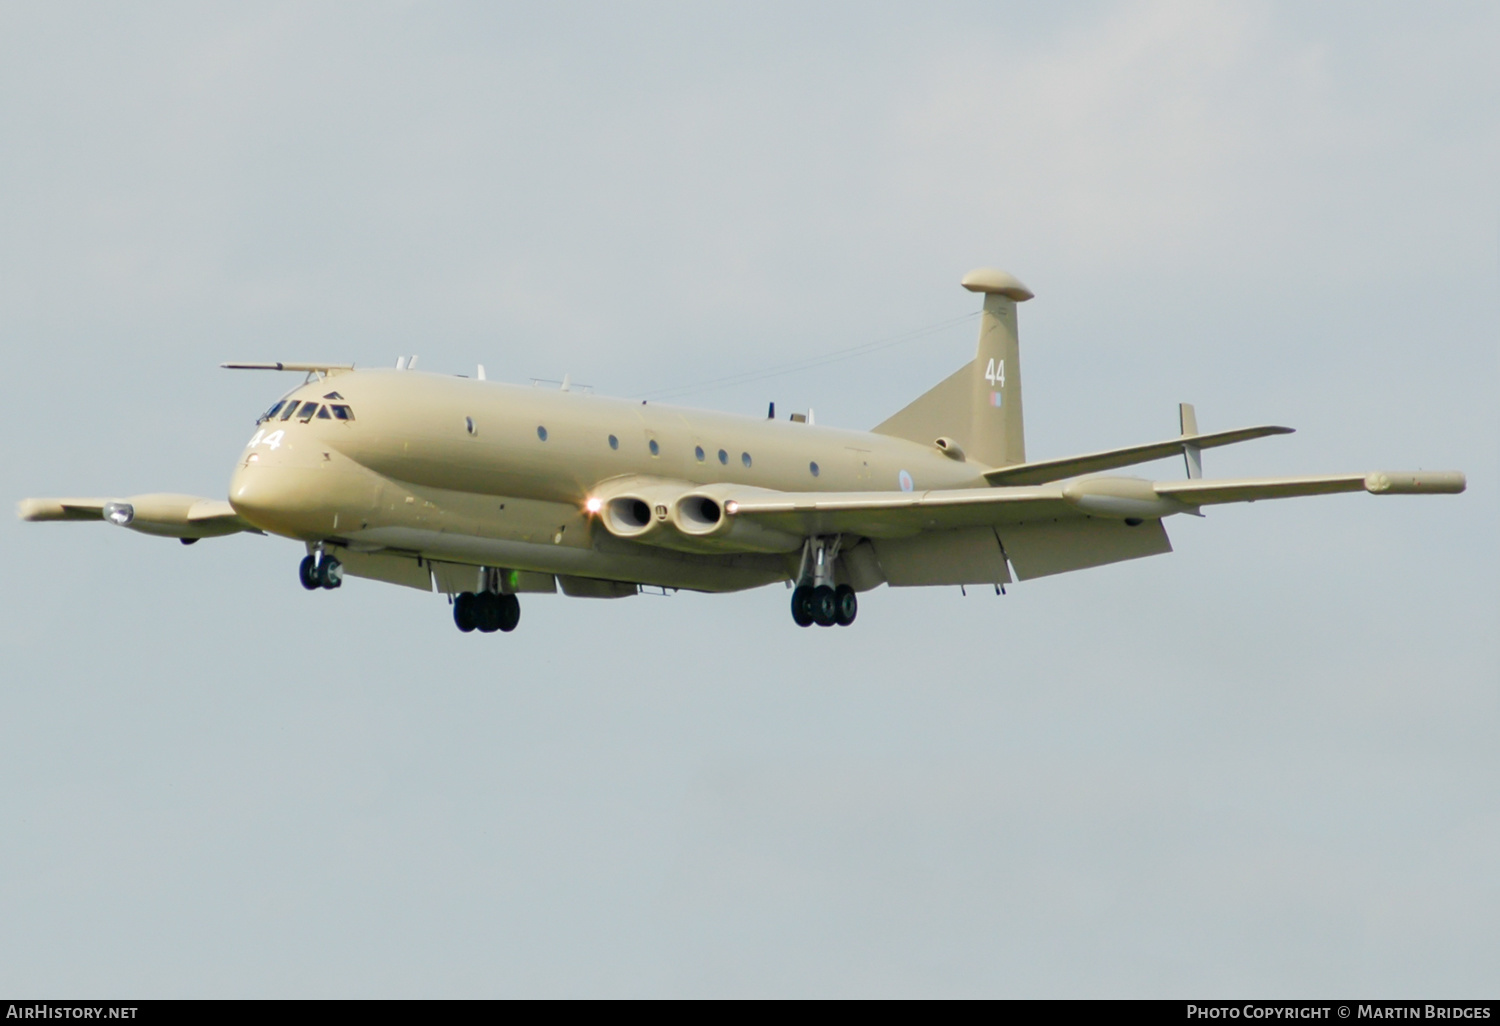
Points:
[(1071, 466), (1207, 493)]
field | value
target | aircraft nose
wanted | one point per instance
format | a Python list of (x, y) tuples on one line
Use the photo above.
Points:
[(279, 499), (253, 493), (300, 499)]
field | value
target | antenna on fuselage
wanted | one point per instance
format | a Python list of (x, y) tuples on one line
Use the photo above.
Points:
[(401, 363), (771, 412), (411, 364), (481, 372)]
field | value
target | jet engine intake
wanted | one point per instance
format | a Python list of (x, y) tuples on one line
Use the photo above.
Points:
[(703, 518), (682, 517)]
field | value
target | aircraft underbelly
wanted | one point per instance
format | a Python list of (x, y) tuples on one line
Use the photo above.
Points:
[(637, 565)]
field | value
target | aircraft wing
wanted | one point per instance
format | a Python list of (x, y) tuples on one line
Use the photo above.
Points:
[(899, 514), (161, 513)]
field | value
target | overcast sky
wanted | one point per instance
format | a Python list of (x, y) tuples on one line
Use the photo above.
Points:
[(1263, 765)]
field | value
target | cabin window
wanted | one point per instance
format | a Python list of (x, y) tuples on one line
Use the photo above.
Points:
[(745, 459), (698, 452), (271, 412), (290, 411), (323, 413), (341, 412), (724, 457), (812, 468), (308, 409), (654, 447), (541, 432), (468, 424), (614, 443)]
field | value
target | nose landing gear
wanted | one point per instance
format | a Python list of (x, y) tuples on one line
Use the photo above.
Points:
[(815, 600), (320, 571)]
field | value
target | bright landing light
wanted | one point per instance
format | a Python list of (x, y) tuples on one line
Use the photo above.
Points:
[(594, 505)]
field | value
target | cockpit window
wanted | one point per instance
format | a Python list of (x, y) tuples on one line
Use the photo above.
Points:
[(342, 412), (290, 411), (323, 413), (308, 409), (271, 412)]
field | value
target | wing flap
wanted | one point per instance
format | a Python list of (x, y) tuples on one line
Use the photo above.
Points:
[(1048, 547), (1090, 463)]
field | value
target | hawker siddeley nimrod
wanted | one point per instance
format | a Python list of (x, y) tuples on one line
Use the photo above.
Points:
[(484, 490)]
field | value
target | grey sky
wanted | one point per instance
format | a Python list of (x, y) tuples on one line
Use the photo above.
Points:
[(1262, 765)]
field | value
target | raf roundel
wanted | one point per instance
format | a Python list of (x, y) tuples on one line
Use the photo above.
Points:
[(904, 479)]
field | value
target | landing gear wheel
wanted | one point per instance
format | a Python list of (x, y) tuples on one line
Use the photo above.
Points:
[(487, 611), (330, 573), (802, 605), (307, 573), (510, 612), (824, 606), (463, 611), (845, 605)]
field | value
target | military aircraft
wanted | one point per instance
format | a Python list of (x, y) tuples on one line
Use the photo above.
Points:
[(484, 490)]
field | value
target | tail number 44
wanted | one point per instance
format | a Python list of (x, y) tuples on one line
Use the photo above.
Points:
[(995, 373)]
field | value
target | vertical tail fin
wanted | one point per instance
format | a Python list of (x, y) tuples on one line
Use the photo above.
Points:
[(997, 435), (978, 405)]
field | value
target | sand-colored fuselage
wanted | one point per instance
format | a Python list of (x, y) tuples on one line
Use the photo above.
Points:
[(469, 471)]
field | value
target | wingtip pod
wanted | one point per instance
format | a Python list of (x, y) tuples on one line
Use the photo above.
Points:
[(1430, 482)]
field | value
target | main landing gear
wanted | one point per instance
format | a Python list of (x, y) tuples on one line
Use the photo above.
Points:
[(489, 609), (486, 611), (816, 600), (321, 571)]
